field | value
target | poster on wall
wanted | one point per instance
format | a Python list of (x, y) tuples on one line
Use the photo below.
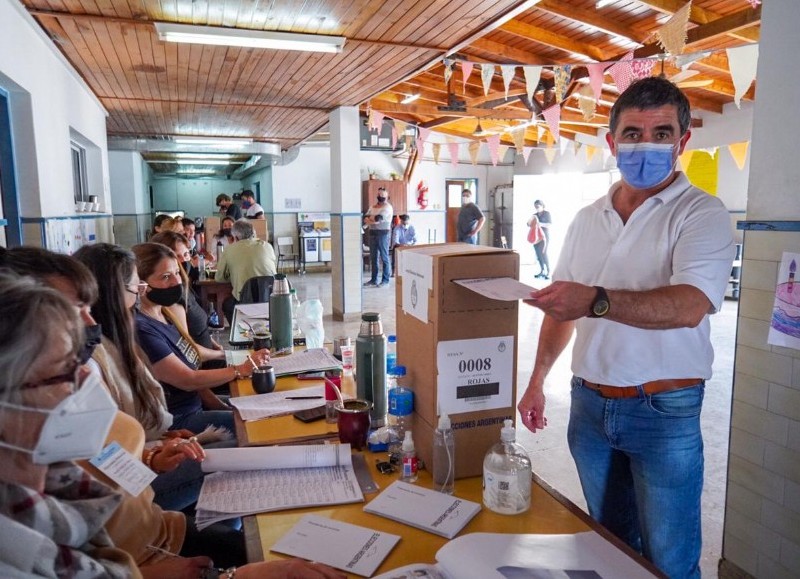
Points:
[(68, 235), (784, 328)]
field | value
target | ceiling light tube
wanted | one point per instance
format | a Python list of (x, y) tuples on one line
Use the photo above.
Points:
[(219, 36), (409, 99), (218, 156), (220, 141), (202, 162)]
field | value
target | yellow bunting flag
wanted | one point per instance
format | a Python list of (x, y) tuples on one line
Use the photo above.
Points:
[(685, 159), (550, 138), (703, 171), (437, 148), (739, 153), (474, 148), (519, 139), (550, 154), (590, 153), (587, 102)]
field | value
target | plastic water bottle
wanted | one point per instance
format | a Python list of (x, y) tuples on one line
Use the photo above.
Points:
[(213, 317), (507, 475), (201, 265), (220, 249), (401, 407), (391, 354), (444, 456), (409, 473), (295, 307)]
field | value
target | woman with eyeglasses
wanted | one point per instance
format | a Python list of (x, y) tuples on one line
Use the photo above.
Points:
[(174, 357), (54, 411)]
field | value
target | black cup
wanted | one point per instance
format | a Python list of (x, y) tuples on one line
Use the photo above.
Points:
[(262, 342), (264, 379)]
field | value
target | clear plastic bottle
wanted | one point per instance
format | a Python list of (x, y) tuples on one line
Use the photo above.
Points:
[(201, 266), (409, 473), (401, 407), (295, 307), (391, 354), (507, 475), (444, 456)]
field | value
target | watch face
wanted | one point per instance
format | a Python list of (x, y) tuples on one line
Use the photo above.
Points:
[(600, 308)]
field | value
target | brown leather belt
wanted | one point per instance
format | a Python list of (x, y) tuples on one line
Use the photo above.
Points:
[(653, 387)]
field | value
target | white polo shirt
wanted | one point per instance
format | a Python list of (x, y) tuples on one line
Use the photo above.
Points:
[(682, 235)]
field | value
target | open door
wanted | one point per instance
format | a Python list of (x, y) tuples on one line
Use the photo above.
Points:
[(454, 188)]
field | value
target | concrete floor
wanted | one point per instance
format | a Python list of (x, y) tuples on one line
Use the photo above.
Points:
[(548, 449)]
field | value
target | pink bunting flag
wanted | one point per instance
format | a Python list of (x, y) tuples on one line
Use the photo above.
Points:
[(494, 144), (466, 71), (553, 117), (622, 73), (754, 3), (453, 154), (376, 121), (422, 138), (394, 136), (642, 68), (596, 72)]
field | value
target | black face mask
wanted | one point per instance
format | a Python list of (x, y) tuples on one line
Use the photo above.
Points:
[(91, 338), (381, 199), (186, 265), (226, 231), (165, 296)]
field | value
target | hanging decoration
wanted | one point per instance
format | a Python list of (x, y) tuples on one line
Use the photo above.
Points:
[(474, 148), (743, 63), (448, 70), (422, 137), (518, 136), (501, 151), (550, 154), (561, 76), (466, 71), (672, 36), (409, 141), (422, 195), (739, 153), (596, 72), (642, 68), (453, 154), (526, 152), (754, 3), (507, 71), (702, 169), (552, 115), (576, 146), (375, 120), (587, 102), (562, 146), (539, 133), (621, 72), (493, 141), (400, 128), (591, 150), (487, 72), (532, 76), (394, 136), (437, 148)]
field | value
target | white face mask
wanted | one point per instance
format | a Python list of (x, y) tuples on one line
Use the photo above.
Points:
[(76, 428)]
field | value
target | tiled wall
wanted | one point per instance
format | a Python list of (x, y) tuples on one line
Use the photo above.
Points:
[(762, 517), (346, 268)]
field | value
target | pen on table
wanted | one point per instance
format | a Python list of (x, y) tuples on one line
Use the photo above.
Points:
[(304, 397), (255, 366)]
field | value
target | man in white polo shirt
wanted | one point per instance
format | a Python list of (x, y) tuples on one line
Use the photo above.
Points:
[(641, 271)]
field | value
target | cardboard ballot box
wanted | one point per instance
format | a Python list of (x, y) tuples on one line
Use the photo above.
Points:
[(459, 348)]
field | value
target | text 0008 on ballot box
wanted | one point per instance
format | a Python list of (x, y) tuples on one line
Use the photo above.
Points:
[(460, 348)]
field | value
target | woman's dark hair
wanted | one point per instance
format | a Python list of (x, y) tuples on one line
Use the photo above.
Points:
[(42, 264), (113, 267), (148, 255)]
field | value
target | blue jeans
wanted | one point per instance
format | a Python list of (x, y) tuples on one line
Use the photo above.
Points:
[(640, 462), (379, 247), (198, 421)]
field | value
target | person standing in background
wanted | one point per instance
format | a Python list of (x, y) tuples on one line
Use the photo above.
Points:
[(379, 222), (545, 220), (227, 207), (470, 219), (403, 234), (252, 210)]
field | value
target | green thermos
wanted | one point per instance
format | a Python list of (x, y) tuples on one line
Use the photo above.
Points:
[(280, 314)]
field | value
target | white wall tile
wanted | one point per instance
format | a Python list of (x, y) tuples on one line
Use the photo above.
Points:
[(760, 423), (756, 479), (760, 275), (756, 304), (784, 401), (765, 365), (763, 539), (747, 446), (752, 332), (750, 390), (744, 501), (782, 461)]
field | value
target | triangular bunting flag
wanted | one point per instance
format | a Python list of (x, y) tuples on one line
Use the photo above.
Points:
[(562, 145), (474, 148), (448, 71), (587, 102), (539, 132), (466, 70), (672, 36), (621, 72), (394, 136), (685, 60), (754, 3), (526, 152), (519, 139), (550, 140), (596, 77), (375, 120), (743, 63), (642, 68), (437, 147), (487, 72), (685, 160), (553, 116), (561, 76), (507, 70), (739, 153), (494, 143), (576, 146), (501, 152), (590, 152), (453, 154), (409, 139), (421, 140), (532, 76), (401, 127), (550, 154)]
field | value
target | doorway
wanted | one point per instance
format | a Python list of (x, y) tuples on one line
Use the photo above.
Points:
[(10, 224), (454, 188)]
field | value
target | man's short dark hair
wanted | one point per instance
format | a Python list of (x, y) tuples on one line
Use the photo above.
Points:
[(405, 217), (650, 93), (248, 193), (222, 197), (188, 221), (538, 203)]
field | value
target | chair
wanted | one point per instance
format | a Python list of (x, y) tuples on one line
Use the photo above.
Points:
[(257, 290), (287, 254)]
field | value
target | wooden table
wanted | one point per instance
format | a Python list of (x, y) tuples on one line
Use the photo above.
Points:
[(550, 513), (214, 291)]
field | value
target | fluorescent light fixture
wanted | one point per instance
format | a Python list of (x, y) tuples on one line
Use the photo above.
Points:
[(196, 172), (409, 99), (603, 3), (204, 162), (219, 141), (219, 36), (219, 156)]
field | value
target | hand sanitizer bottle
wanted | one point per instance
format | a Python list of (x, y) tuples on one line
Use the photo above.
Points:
[(507, 475), (409, 473)]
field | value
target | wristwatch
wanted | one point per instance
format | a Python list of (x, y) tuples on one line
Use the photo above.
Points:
[(601, 303)]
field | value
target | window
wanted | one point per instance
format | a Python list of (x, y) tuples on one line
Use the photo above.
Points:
[(79, 182)]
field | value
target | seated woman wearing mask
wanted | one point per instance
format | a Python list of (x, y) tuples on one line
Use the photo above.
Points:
[(174, 357), (224, 234), (54, 411)]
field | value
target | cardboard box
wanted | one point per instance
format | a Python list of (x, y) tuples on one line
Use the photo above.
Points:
[(463, 358), (212, 226)]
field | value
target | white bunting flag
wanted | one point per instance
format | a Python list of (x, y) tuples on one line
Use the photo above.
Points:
[(507, 70), (487, 72), (743, 64), (532, 76)]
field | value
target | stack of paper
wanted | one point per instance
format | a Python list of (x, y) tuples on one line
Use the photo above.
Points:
[(423, 508), (312, 360), (258, 480), (261, 406)]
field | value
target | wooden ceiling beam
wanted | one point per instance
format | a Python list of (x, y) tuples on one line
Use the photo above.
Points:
[(697, 15), (423, 110), (558, 41), (592, 19), (725, 25), (507, 54)]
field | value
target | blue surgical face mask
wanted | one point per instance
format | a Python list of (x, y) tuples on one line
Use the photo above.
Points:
[(645, 165)]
